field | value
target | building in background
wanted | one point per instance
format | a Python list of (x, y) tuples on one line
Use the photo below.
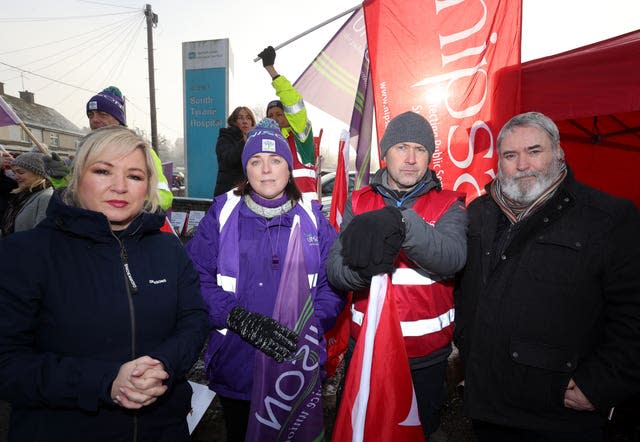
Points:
[(47, 124)]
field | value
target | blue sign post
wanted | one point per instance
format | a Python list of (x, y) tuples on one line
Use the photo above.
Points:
[(206, 83)]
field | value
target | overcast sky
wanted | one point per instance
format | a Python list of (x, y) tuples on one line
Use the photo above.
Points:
[(98, 50)]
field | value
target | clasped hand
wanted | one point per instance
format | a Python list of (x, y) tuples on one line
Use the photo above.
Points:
[(139, 383)]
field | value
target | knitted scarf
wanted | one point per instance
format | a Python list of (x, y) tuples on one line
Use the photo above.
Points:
[(516, 211)]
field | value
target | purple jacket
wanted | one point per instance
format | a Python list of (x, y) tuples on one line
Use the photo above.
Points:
[(235, 266)]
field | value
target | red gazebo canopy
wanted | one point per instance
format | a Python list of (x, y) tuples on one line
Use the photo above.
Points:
[(593, 95)]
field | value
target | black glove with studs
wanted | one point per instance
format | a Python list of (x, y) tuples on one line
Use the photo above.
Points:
[(264, 333)]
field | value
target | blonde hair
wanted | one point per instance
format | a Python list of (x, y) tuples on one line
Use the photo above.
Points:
[(39, 184), (119, 141)]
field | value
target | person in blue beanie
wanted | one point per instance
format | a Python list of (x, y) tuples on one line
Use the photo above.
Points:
[(239, 250), (107, 108)]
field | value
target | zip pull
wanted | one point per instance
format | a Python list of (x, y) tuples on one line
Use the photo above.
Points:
[(133, 288)]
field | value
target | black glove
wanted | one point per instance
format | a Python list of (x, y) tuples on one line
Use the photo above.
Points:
[(373, 239), (268, 56), (390, 249), (54, 166), (264, 333)]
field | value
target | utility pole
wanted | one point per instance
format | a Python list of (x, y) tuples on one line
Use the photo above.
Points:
[(152, 20)]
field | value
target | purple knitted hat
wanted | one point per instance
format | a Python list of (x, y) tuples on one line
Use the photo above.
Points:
[(110, 101), (266, 137)]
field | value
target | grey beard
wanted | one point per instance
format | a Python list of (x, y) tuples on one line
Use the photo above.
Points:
[(528, 194)]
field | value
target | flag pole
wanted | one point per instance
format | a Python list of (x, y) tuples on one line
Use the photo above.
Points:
[(37, 142), (308, 31), (9, 117)]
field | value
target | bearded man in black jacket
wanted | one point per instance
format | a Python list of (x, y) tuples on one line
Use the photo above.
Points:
[(548, 305)]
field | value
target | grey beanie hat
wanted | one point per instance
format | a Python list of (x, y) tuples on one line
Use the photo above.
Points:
[(31, 161), (408, 127)]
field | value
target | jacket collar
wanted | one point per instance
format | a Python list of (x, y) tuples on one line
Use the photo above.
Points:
[(429, 182), (563, 199)]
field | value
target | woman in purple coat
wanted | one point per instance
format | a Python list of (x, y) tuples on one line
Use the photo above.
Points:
[(239, 251)]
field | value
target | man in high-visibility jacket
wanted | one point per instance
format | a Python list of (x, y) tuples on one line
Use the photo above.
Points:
[(107, 109), (291, 115), (406, 225)]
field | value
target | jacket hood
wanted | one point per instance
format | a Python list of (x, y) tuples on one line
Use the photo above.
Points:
[(93, 225), (233, 132)]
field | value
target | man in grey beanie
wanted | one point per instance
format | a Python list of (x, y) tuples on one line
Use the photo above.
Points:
[(405, 225)]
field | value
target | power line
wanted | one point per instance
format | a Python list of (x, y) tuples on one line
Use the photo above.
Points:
[(94, 54), (45, 77), (108, 4), (65, 39), (70, 17), (116, 72), (88, 42), (109, 78)]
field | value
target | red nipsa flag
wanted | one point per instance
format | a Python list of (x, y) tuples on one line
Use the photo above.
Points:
[(378, 400), (457, 64)]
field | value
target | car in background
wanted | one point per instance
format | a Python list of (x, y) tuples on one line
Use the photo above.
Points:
[(327, 182)]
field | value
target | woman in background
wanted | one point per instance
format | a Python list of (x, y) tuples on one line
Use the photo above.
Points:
[(229, 149), (27, 204), (102, 314)]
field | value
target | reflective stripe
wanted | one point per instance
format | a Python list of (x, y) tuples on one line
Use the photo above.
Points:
[(229, 205), (305, 203), (414, 328), (356, 316), (163, 186), (310, 196), (305, 134), (406, 276), (304, 172), (295, 107), (313, 279), (228, 283), (426, 326)]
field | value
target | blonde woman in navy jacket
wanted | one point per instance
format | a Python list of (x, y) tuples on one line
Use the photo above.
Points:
[(102, 315)]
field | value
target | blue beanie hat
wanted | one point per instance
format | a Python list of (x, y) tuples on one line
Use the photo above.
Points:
[(110, 100), (266, 137)]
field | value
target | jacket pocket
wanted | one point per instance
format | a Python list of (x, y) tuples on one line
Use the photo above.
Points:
[(539, 374), (543, 356)]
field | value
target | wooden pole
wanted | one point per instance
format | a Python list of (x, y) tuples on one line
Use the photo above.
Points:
[(152, 19), (37, 142)]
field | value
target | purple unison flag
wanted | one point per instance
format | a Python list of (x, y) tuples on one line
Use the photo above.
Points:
[(331, 80), (286, 401), (362, 122), (7, 115)]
